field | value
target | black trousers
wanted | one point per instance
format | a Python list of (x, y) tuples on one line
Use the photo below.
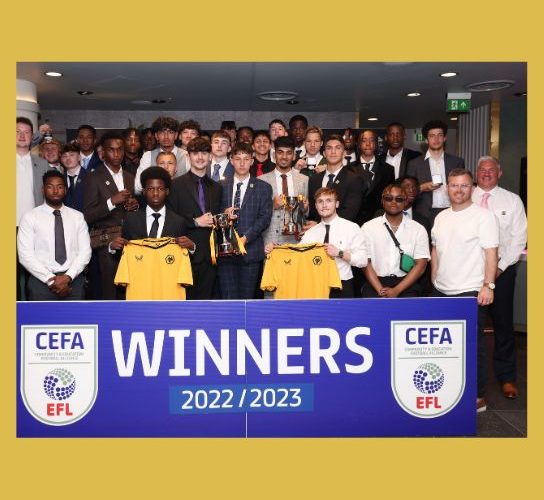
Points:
[(390, 282), (204, 274), (345, 293), (502, 314)]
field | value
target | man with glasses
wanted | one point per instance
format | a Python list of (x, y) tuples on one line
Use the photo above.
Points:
[(385, 238), (464, 258)]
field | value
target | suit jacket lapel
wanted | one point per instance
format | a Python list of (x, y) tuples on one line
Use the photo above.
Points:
[(109, 182), (191, 187), (249, 192)]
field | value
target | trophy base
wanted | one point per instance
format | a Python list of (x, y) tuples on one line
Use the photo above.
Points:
[(290, 229)]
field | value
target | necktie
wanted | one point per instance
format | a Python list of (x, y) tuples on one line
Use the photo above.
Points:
[(237, 195), (259, 170), (368, 168), (484, 203), (155, 226), (215, 175), (85, 162), (348, 159), (330, 181), (201, 198), (72, 183), (284, 188), (327, 229), (60, 245)]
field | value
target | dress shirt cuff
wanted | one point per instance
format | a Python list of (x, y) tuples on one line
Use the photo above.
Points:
[(111, 206), (192, 250), (111, 250)]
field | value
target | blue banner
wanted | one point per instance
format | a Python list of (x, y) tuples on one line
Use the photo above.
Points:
[(376, 367)]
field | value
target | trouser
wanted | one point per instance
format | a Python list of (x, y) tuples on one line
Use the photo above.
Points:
[(390, 282), (237, 279), (345, 293), (38, 290), (502, 314), (482, 354), (204, 274)]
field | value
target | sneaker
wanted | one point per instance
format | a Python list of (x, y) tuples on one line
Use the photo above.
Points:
[(480, 405)]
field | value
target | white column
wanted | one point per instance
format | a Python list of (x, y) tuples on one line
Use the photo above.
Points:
[(27, 101)]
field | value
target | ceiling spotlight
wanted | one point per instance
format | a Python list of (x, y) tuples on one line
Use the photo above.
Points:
[(277, 95), (413, 94), (158, 101), (520, 94), (372, 119), (489, 86), (448, 74), (140, 101), (453, 118), (85, 92), (292, 101), (53, 74)]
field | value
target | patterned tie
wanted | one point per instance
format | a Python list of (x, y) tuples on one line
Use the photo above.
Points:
[(330, 182), (85, 162), (284, 188), (237, 195), (72, 183), (60, 244), (327, 229), (483, 203), (155, 226), (201, 198), (215, 175)]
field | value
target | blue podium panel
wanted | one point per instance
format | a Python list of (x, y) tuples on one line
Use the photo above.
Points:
[(376, 367)]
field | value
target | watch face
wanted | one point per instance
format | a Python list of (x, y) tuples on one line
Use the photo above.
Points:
[(491, 286)]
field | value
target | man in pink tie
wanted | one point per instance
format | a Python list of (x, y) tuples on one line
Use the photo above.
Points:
[(509, 210)]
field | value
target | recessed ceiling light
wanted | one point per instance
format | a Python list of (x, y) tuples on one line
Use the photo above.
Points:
[(84, 92), (413, 94), (53, 74), (292, 101), (453, 118), (490, 85), (448, 74), (277, 95), (520, 94), (372, 119), (158, 101), (140, 101)]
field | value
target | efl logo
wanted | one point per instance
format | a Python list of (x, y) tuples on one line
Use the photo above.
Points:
[(59, 371), (428, 365)]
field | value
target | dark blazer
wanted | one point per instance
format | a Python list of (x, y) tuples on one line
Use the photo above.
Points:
[(184, 202), (419, 168), (384, 174), (350, 189), (229, 170), (268, 166), (74, 198), (254, 215), (94, 162), (39, 167), (407, 155), (98, 188), (135, 226)]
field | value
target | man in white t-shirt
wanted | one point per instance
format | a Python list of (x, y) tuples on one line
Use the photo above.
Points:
[(465, 238)]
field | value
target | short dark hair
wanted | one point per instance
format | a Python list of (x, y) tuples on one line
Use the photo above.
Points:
[(128, 131), (263, 133), (53, 173), (277, 120), (241, 147), (26, 121), (394, 124), (70, 148), (220, 134), (189, 125), (228, 125), (245, 127), (434, 124), (158, 173), (199, 144), (298, 118), (395, 185), (145, 131), (333, 137), (403, 178), (86, 127), (458, 172), (165, 122), (284, 142), (111, 136)]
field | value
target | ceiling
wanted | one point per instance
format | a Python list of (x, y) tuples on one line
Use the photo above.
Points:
[(372, 89)]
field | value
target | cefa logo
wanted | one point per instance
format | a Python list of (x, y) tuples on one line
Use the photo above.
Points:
[(59, 371), (428, 365)]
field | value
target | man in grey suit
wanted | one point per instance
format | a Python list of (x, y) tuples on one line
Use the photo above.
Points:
[(432, 171), (28, 180), (284, 180)]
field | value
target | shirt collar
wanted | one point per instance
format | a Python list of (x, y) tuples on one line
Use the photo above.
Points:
[(428, 155), (479, 191), (112, 172), (372, 160), (149, 211)]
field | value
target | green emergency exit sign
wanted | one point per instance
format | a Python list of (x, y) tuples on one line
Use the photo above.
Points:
[(459, 105)]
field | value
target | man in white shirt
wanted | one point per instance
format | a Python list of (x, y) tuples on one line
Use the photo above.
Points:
[(276, 128), (509, 210), (313, 161), (343, 238), (464, 259), (384, 276), (53, 245)]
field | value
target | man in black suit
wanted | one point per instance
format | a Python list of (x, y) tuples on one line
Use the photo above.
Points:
[(397, 155), (86, 140), (347, 184), (74, 174), (247, 200), (107, 196), (432, 171), (375, 174), (195, 197), (297, 131)]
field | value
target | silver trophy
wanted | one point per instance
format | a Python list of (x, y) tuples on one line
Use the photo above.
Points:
[(290, 215), (224, 236)]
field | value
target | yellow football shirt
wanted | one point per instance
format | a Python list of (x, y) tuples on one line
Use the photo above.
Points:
[(154, 269), (300, 272)]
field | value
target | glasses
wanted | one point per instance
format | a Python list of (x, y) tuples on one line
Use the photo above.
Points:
[(389, 198), (153, 189), (464, 187)]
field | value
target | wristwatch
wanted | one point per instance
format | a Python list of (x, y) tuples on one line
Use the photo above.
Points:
[(341, 254), (490, 285)]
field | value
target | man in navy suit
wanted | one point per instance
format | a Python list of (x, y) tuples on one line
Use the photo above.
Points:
[(220, 166), (86, 140), (432, 171), (74, 174), (397, 155), (248, 201)]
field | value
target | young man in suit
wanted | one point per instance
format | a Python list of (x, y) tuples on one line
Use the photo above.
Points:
[(262, 164), (397, 155), (432, 171), (248, 200), (154, 220), (313, 161), (347, 184), (195, 197), (107, 197), (86, 140), (287, 181), (74, 174), (297, 130), (375, 175), (221, 166)]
